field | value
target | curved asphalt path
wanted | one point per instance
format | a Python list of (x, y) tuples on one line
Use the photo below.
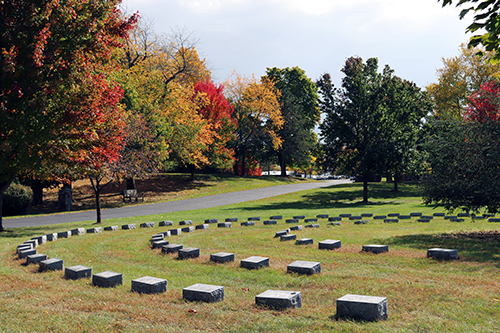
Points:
[(171, 206)]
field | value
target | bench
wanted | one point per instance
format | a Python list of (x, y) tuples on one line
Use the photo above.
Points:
[(132, 194)]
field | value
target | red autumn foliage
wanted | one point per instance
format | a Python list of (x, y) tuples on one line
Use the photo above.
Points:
[(484, 104)]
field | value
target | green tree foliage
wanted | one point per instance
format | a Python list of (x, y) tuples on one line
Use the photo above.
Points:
[(486, 18), (301, 113)]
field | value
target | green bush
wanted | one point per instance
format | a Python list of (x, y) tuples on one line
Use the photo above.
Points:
[(17, 200)]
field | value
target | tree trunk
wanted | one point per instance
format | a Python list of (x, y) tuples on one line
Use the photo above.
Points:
[(396, 179), (131, 183), (37, 188), (3, 187), (243, 162), (97, 190), (365, 188), (281, 158)]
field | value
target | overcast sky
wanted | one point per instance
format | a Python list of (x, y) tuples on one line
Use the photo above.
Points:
[(412, 36)]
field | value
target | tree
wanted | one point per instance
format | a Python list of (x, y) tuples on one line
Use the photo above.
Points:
[(459, 78), (300, 112), (52, 55), (485, 17)]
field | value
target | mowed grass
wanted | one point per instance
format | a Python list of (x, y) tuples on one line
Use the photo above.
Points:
[(424, 295)]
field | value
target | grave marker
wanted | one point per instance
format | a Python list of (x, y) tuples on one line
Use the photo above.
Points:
[(445, 254), (304, 241), (149, 285), (375, 248), (77, 272), (186, 222), (370, 308), (128, 226), (222, 257), (304, 267), (329, 244), (166, 223), (279, 299), (203, 293), (107, 279), (171, 248), (111, 228), (35, 258), (254, 262), (94, 230), (202, 226), (53, 264), (78, 232), (189, 253), (224, 225), (288, 237), (270, 222)]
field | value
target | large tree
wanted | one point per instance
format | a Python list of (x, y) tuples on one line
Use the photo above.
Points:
[(301, 114), (52, 53)]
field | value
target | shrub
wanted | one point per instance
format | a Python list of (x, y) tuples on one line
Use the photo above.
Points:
[(17, 200)]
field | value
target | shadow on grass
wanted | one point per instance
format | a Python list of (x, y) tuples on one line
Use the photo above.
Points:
[(478, 246)]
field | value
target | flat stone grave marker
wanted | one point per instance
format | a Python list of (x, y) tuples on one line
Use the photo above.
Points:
[(439, 214), (391, 221), (53, 264), (222, 257), (279, 299), (463, 215), (185, 222), (64, 234), (254, 262), (296, 227), (23, 247), (224, 225), (77, 272), (358, 217), (361, 222), (322, 216), (128, 226), (488, 215), (107, 279), (211, 221), (427, 217), (24, 253), (281, 233), (159, 244), (171, 248), (493, 219), (380, 217), (304, 241), (334, 223), (311, 220), (367, 215), (404, 217), (254, 218), (478, 218), (292, 220), (166, 223), (415, 214), (456, 219), (111, 228), (445, 254), (334, 218), (202, 226), (188, 229), (345, 215), (299, 217), (447, 217), (270, 222), (52, 237), (393, 214), (149, 285), (157, 237), (288, 237), (33, 242), (423, 220), (35, 258), (276, 217), (247, 224), (147, 225), (315, 225), (369, 308), (175, 232), (304, 267), (40, 239), (78, 232), (329, 244), (375, 248), (165, 233), (232, 219), (94, 230), (189, 252), (203, 293)]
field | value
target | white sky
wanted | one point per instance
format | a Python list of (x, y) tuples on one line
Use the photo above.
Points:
[(412, 36)]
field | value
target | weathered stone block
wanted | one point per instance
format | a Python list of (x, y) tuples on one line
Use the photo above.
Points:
[(24, 253), (299, 217), (375, 248), (393, 214), (53, 264), (354, 218), (64, 234), (334, 223), (329, 244), (439, 214), (175, 232), (445, 254), (159, 244), (94, 230), (111, 228), (254, 262), (171, 248), (276, 217), (463, 215), (427, 217), (281, 233), (128, 226), (147, 225), (391, 221), (166, 223), (107, 279), (52, 237), (322, 216), (189, 252), (202, 226), (211, 221), (247, 224), (380, 217), (493, 219), (345, 215), (186, 222), (78, 232), (367, 215), (222, 257), (288, 237), (423, 220), (416, 214), (304, 267), (279, 299), (404, 217), (292, 220), (40, 239), (33, 242), (203, 293), (296, 227), (311, 220), (157, 237), (370, 308), (361, 222), (77, 272), (23, 247), (456, 219), (149, 285), (254, 218), (35, 258), (304, 241), (166, 233), (270, 222), (224, 225), (315, 225), (188, 229), (478, 218), (232, 219), (334, 218), (448, 217)]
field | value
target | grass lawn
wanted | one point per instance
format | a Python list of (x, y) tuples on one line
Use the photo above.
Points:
[(424, 295)]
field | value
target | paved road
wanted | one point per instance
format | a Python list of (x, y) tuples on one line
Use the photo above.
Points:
[(171, 206)]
